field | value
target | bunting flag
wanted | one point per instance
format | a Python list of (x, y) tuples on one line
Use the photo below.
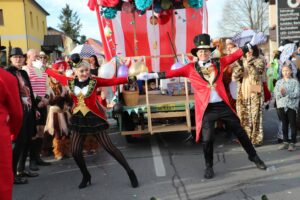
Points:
[(134, 35)]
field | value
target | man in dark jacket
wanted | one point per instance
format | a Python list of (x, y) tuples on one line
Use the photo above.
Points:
[(28, 130)]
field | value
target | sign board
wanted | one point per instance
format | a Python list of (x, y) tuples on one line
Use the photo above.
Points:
[(288, 12)]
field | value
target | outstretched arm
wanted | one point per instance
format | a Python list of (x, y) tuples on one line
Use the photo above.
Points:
[(60, 78), (113, 81)]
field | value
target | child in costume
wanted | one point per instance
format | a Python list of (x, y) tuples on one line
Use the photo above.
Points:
[(59, 115)]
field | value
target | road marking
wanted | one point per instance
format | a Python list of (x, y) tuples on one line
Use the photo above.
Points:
[(159, 166)]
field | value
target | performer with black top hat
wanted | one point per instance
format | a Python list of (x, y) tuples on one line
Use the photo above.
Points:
[(88, 117), (211, 100)]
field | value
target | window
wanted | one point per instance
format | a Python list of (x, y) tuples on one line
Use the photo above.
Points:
[(37, 23), (1, 18), (31, 19)]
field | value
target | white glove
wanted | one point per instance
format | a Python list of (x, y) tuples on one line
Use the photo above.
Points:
[(146, 76), (258, 38), (69, 73)]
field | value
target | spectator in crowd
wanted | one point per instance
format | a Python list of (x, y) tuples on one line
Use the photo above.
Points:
[(28, 130), (38, 81), (287, 94)]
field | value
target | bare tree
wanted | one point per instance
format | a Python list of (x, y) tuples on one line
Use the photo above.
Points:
[(244, 14)]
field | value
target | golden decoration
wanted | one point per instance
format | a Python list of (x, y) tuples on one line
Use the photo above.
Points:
[(137, 68), (81, 106)]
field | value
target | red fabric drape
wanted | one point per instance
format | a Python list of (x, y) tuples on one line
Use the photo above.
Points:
[(92, 4)]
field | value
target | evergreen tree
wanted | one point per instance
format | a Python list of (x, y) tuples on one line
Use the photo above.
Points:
[(70, 23), (82, 39)]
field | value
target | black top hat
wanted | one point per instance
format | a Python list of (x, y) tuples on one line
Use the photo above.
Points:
[(201, 41), (16, 51), (77, 61)]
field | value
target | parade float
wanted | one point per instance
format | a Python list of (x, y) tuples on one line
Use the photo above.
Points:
[(153, 36)]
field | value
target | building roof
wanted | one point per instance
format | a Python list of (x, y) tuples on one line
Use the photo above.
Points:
[(40, 7), (53, 29), (53, 40)]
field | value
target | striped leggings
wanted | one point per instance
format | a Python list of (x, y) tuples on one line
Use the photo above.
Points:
[(103, 139)]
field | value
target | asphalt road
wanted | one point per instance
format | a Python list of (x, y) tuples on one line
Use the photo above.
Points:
[(170, 168)]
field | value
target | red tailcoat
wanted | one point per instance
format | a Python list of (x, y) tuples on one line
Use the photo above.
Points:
[(11, 116), (91, 98), (201, 86)]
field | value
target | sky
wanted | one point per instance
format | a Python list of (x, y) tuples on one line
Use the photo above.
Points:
[(89, 20)]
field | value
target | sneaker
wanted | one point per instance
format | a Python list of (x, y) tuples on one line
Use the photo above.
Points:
[(292, 147), (284, 145)]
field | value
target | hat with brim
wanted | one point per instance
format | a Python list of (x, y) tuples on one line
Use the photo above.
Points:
[(195, 50), (201, 41), (16, 52)]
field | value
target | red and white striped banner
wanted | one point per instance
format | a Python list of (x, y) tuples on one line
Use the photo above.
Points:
[(134, 35)]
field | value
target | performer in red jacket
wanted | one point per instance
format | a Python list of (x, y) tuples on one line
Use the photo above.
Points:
[(88, 117), (11, 116), (211, 100)]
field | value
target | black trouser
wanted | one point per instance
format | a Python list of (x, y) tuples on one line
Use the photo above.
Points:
[(288, 118), (22, 143), (103, 139), (221, 110)]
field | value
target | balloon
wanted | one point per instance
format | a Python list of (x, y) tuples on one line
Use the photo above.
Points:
[(166, 4), (164, 16), (185, 4), (127, 7), (153, 20), (137, 68), (107, 70), (157, 7), (123, 71), (176, 65)]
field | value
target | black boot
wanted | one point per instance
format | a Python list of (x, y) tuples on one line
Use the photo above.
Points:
[(33, 165), (86, 179), (39, 161), (258, 162), (33, 155), (133, 179), (209, 173), (208, 150), (20, 180)]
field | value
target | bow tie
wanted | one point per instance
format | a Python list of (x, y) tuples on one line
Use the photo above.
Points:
[(205, 64)]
